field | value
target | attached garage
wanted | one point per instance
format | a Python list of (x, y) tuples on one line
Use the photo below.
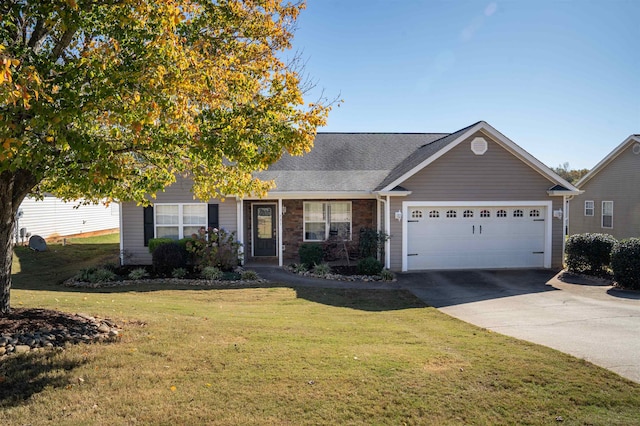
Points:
[(476, 235)]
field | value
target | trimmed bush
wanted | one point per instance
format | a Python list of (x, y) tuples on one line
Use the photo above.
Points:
[(249, 275), (625, 262), (168, 257), (154, 243), (589, 253), (179, 273), (371, 243), (96, 275), (321, 269), (387, 275), (211, 273), (138, 274), (310, 253), (215, 247), (370, 266), (299, 268)]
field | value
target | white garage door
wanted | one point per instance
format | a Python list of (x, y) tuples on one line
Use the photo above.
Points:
[(475, 237)]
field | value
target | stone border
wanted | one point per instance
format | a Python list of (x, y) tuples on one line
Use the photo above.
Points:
[(87, 329)]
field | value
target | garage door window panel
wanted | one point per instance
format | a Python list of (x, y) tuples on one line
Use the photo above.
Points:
[(451, 213)]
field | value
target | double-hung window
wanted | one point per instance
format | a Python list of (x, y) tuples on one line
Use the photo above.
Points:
[(588, 208), (179, 220), (607, 214), (325, 219)]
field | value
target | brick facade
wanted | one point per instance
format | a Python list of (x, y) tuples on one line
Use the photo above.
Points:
[(363, 215)]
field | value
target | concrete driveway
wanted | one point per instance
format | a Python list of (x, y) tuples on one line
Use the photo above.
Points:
[(585, 318)]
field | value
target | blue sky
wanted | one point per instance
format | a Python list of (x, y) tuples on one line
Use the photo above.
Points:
[(559, 78)]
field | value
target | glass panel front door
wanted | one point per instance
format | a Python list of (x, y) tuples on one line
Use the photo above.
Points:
[(264, 230)]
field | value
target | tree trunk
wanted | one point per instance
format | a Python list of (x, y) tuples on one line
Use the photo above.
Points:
[(14, 187)]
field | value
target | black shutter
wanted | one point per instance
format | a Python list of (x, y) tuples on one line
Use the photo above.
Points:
[(148, 225), (212, 216)]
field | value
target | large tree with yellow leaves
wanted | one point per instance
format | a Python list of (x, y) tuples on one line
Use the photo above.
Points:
[(113, 98)]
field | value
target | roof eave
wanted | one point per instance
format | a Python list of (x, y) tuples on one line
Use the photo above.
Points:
[(393, 193), (560, 193), (606, 160), (318, 195)]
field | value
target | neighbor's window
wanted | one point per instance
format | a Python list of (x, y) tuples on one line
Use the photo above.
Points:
[(322, 220), (607, 214), (588, 208), (179, 220)]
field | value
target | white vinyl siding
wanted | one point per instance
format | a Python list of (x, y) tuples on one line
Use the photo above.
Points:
[(588, 207), (607, 214), (322, 219), (52, 217)]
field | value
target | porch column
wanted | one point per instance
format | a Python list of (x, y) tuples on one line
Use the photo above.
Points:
[(240, 227), (387, 230), (279, 242)]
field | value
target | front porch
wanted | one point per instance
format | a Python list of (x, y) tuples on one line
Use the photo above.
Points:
[(273, 230)]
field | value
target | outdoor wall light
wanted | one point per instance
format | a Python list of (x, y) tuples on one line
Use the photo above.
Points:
[(399, 215), (557, 214)]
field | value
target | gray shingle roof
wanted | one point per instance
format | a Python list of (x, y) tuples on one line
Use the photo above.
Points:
[(346, 161)]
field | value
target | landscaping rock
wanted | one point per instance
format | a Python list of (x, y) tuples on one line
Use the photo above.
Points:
[(38, 329), (20, 349)]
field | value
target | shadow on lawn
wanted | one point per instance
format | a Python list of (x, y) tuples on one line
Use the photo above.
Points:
[(23, 376), (362, 299)]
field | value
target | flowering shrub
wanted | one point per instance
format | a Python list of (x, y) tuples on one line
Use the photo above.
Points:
[(214, 247)]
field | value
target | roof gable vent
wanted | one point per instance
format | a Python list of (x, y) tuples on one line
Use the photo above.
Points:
[(636, 149), (479, 146)]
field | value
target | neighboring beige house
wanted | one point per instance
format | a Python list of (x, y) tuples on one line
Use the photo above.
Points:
[(469, 199), (610, 202)]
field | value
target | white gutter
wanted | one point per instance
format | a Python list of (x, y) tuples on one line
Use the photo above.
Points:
[(121, 234)]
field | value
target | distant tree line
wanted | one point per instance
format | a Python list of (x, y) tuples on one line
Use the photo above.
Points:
[(571, 176)]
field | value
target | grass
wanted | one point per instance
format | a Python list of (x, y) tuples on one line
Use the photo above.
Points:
[(280, 355)]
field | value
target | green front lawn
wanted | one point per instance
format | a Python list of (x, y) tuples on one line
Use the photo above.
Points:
[(279, 355)]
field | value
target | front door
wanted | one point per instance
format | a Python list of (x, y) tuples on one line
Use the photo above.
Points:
[(264, 230)]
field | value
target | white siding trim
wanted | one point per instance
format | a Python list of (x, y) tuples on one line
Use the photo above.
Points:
[(606, 160), (548, 220), (387, 225), (240, 225), (279, 242)]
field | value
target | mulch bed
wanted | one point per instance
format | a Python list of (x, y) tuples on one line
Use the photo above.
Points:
[(23, 320)]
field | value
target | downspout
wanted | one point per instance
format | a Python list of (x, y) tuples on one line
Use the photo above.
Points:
[(565, 233), (279, 239), (121, 234)]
